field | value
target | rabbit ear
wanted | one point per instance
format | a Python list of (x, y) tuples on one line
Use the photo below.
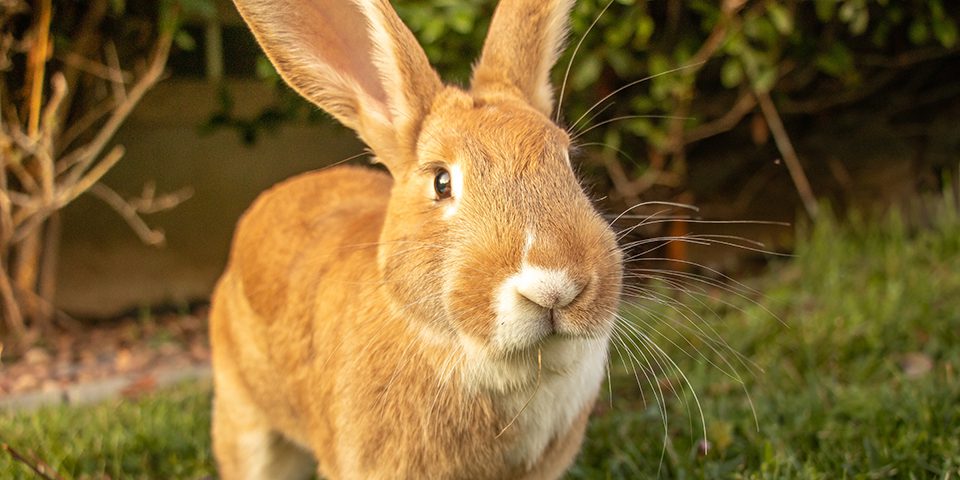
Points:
[(523, 43), (353, 58)]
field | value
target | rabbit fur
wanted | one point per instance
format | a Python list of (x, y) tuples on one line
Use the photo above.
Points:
[(372, 325)]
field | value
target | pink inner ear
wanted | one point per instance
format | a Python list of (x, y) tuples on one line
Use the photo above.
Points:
[(339, 31)]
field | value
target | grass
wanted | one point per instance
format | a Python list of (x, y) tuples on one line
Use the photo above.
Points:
[(855, 346), (163, 435)]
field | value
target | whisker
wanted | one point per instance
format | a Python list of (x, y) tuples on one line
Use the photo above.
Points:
[(566, 74), (657, 203), (635, 82), (594, 117), (585, 130), (536, 389)]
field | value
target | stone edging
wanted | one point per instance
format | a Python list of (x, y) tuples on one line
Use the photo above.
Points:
[(92, 392)]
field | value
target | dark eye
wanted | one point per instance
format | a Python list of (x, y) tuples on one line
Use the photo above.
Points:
[(441, 184)]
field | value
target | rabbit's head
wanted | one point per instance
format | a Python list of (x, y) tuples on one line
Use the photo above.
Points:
[(489, 239)]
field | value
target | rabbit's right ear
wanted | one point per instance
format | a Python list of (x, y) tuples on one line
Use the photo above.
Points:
[(353, 58)]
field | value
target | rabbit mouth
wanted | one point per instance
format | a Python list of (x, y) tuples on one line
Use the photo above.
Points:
[(553, 356)]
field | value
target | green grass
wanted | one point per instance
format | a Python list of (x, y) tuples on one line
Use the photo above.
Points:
[(164, 435), (831, 392), (831, 337)]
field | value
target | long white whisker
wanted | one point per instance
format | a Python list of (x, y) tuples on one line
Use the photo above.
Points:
[(635, 82), (566, 74)]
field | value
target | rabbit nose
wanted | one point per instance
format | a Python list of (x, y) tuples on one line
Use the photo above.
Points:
[(550, 289)]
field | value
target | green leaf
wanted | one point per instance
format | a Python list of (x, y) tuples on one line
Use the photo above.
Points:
[(645, 29), (781, 18), (618, 35), (184, 41), (432, 30), (622, 62), (587, 71), (847, 11), (945, 31), (731, 73), (766, 79), (918, 32), (204, 9), (640, 127), (118, 6), (825, 9), (265, 71), (462, 20), (837, 61), (860, 22)]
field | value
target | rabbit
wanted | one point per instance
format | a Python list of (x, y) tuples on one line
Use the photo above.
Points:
[(448, 319)]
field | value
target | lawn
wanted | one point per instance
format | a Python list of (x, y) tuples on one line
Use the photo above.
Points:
[(841, 362)]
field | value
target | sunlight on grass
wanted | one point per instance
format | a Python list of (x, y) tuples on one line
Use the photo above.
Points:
[(859, 380), (855, 344), (164, 435)]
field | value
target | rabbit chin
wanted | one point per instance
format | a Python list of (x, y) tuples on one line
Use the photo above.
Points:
[(542, 402), (528, 342)]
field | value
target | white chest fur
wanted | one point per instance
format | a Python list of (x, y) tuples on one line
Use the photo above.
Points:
[(549, 411)]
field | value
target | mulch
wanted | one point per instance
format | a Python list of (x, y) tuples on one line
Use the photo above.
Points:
[(129, 348)]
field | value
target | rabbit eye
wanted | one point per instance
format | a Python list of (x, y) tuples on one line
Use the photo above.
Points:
[(441, 184)]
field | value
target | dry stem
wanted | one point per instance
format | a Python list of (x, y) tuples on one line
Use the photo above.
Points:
[(782, 139), (38, 466)]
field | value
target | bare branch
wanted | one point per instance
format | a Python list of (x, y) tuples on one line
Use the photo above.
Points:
[(116, 81), (69, 191), (30, 217), (11, 308), (81, 125), (37, 63), (97, 69), (785, 146), (38, 466), (83, 157), (149, 202), (129, 214), (744, 105)]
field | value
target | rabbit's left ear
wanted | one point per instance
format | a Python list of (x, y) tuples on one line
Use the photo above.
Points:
[(524, 41), (353, 58)]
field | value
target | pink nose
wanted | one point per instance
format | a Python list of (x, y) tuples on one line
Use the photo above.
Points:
[(548, 288)]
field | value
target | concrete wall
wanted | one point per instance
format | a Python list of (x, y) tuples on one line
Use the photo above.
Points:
[(105, 269)]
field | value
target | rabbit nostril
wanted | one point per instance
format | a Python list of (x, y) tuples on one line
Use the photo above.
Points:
[(548, 289)]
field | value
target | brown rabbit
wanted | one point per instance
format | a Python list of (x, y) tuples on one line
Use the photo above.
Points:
[(449, 320)]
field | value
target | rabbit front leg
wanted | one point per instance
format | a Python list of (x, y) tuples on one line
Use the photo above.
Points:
[(246, 447)]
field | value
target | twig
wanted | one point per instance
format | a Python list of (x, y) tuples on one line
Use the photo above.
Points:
[(84, 41), (621, 183), (31, 217), (83, 157), (116, 80), (80, 125), (37, 65), (744, 105), (149, 202), (825, 102), (97, 69), (684, 97), (907, 59), (11, 309), (129, 213), (49, 124), (782, 139), (38, 466), (49, 261)]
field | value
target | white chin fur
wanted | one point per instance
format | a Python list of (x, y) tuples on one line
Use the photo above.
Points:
[(572, 371)]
